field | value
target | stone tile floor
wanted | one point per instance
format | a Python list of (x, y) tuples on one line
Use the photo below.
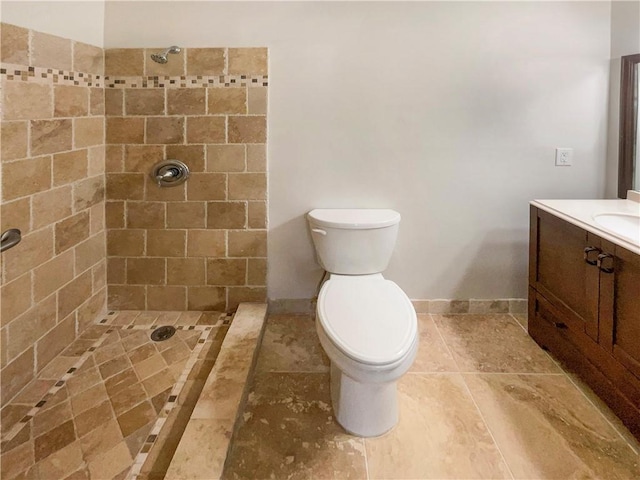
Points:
[(96, 410), (482, 401)]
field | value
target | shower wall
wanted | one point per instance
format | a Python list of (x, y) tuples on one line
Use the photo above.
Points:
[(54, 281), (69, 134), (200, 245)]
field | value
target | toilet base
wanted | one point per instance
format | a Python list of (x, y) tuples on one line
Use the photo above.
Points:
[(363, 409)]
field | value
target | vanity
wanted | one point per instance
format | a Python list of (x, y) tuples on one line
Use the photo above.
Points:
[(584, 294)]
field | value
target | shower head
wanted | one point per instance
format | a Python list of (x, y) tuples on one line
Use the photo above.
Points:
[(162, 57)]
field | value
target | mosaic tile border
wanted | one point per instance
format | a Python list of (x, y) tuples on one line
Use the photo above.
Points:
[(187, 81), (224, 319), (17, 428), (23, 73), (171, 403), (11, 72)]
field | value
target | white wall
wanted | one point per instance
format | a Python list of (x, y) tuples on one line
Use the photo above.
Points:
[(625, 40), (82, 21), (446, 112)]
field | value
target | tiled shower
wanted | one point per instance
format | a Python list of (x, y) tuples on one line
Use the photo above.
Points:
[(200, 245), (82, 128), (54, 281)]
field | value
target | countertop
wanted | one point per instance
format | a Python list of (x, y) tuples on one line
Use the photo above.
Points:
[(581, 213)]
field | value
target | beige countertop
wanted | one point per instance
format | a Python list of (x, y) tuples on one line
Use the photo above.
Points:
[(582, 212)]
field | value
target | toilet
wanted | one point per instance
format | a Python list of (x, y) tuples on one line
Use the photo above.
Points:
[(366, 324)]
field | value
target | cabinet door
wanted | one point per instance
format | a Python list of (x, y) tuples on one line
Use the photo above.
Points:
[(620, 308), (560, 273)]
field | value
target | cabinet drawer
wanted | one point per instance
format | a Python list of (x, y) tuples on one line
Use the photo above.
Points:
[(544, 318), (555, 316)]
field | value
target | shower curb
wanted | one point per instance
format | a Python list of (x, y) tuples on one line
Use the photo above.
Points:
[(203, 448)]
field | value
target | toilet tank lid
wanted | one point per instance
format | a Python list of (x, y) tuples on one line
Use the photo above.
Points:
[(354, 218)]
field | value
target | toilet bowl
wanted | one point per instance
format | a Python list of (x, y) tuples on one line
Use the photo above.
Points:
[(365, 323), (367, 327)]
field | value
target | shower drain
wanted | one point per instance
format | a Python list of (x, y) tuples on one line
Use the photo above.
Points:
[(161, 334)]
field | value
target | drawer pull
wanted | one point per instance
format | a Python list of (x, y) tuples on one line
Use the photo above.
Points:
[(587, 255), (560, 325), (601, 259)]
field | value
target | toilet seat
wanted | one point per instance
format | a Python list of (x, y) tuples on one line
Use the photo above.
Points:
[(368, 318)]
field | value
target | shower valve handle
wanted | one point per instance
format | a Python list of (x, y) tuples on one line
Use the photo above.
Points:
[(170, 173), (166, 174)]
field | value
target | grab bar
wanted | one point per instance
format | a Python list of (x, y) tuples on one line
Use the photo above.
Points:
[(10, 238)]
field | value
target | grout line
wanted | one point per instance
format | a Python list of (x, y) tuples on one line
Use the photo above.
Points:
[(57, 385), (547, 353), (366, 458), (484, 421), (487, 427), (446, 345), (305, 372), (516, 320), (475, 372), (562, 372), (185, 64), (629, 444)]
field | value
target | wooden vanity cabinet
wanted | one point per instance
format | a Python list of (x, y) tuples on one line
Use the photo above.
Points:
[(584, 307), (622, 319)]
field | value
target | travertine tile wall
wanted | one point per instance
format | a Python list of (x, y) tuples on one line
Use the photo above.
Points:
[(200, 245), (52, 169)]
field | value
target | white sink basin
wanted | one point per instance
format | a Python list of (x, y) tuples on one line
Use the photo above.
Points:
[(624, 225)]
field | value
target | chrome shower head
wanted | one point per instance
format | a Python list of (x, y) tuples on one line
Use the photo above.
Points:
[(162, 57)]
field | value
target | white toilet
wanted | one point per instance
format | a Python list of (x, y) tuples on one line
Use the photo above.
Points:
[(366, 324)]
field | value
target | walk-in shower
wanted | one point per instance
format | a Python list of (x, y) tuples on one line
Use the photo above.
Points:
[(162, 57)]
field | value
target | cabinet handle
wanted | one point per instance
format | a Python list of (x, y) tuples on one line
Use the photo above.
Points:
[(587, 252), (601, 258), (560, 325)]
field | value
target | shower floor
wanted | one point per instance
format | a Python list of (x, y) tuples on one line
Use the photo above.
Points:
[(104, 408)]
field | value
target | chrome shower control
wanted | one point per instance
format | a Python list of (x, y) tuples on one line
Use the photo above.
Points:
[(170, 173), (10, 238)]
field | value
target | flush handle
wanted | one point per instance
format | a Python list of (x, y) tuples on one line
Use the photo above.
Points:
[(319, 231)]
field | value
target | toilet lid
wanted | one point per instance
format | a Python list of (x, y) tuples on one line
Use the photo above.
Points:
[(370, 319)]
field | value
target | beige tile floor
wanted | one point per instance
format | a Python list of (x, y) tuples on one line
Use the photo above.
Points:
[(482, 401), (109, 388)]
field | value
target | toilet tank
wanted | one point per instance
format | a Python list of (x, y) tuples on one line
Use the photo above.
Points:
[(352, 241)]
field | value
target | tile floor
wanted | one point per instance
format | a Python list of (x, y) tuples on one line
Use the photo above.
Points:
[(96, 410), (482, 401)]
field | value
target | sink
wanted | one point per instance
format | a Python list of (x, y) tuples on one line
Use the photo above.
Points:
[(625, 225)]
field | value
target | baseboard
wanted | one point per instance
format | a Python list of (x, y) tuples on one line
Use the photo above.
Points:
[(441, 306)]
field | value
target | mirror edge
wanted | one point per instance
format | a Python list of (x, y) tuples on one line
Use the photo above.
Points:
[(628, 119)]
